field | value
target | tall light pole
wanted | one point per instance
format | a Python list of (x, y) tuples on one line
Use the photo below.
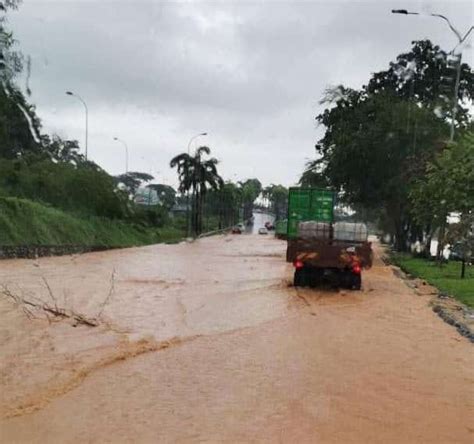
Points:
[(194, 137), (69, 93), (461, 39), (187, 197), (126, 152)]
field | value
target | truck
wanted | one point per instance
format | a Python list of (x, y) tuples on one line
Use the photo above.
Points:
[(320, 248)]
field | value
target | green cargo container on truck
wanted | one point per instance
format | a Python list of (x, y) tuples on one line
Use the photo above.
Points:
[(316, 253)]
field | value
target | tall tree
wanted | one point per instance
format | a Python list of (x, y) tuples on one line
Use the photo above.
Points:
[(379, 139), (63, 150), (426, 75), (225, 204), (278, 198), (132, 181), (197, 175), (10, 60), (19, 125), (166, 194), (373, 159), (447, 187), (251, 189), (313, 176)]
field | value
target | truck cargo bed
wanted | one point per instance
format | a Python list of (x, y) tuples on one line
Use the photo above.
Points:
[(329, 254)]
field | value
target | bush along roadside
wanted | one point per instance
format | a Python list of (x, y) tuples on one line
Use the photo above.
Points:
[(31, 229), (454, 301)]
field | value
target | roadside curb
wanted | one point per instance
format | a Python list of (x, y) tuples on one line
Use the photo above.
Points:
[(447, 316)]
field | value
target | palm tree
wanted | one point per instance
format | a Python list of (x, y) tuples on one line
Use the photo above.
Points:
[(197, 175)]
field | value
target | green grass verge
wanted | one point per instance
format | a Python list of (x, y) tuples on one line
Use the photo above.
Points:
[(24, 222), (446, 278)]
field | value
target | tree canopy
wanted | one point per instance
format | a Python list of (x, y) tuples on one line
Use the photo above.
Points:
[(197, 174), (380, 139), (251, 189)]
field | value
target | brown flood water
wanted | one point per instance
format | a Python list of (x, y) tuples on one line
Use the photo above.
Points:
[(208, 342)]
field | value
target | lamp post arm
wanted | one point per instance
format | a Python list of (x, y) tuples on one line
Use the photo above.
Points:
[(458, 34)]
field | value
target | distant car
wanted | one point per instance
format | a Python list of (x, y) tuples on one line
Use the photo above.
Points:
[(269, 226), (456, 253), (236, 230), (262, 230)]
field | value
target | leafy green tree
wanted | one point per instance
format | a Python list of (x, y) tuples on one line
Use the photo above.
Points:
[(460, 236), (10, 60), (132, 180), (60, 150), (278, 198), (447, 187), (313, 176), (379, 139), (197, 175), (225, 203), (251, 189), (166, 194), (19, 125), (372, 157), (426, 75)]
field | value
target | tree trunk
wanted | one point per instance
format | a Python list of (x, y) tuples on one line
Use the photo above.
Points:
[(201, 211), (441, 234), (463, 268), (198, 211), (221, 211), (429, 235), (194, 212), (400, 236)]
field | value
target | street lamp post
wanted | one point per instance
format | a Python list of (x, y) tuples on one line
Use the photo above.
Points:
[(461, 39), (192, 138), (187, 197), (69, 93), (126, 152)]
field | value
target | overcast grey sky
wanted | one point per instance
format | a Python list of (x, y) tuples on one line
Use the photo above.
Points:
[(249, 73)]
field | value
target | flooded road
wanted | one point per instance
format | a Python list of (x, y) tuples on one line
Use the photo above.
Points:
[(259, 220), (208, 341)]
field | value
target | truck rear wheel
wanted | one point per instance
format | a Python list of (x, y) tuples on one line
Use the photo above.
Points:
[(356, 281), (350, 280), (298, 279)]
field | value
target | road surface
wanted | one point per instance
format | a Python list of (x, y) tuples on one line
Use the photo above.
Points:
[(209, 342)]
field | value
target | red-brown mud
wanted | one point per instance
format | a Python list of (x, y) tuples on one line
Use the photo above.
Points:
[(208, 342)]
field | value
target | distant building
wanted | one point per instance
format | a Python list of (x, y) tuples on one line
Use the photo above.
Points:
[(180, 209), (146, 196)]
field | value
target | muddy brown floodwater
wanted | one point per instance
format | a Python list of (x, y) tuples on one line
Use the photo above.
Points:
[(209, 342)]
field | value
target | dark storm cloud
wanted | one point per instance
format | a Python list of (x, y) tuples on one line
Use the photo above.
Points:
[(250, 73)]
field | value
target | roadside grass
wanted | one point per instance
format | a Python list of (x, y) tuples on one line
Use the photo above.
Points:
[(446, 278), (24, 222)]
